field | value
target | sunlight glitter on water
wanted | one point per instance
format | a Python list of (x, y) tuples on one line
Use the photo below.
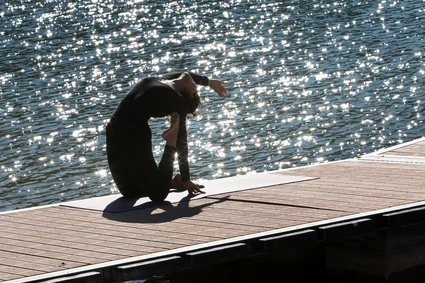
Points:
[(308, 82)]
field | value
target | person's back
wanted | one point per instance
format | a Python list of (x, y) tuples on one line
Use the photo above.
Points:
[(134, 107), (149, 98)]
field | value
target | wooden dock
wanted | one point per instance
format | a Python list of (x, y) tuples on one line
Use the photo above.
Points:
[(110, 239)]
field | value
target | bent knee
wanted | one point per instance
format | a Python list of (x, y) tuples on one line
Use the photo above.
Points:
[(158, 197)]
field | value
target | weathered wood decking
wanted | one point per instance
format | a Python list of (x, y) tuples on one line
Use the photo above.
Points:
[(66, 241)]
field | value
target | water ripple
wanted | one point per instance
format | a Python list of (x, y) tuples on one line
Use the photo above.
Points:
[(309, 82)]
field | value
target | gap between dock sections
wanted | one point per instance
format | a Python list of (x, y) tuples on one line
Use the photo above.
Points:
[(278, 204)]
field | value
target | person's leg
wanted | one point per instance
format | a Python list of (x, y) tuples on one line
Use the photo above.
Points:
[(118, 164), (152, 181), (133, 167), (160, 192), (145, 171), (170, 135), (122, 175), (142, 165), (166, 165)]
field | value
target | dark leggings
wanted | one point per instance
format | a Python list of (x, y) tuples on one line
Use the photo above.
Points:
[(133, 166)]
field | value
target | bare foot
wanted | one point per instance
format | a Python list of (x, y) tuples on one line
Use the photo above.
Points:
[(170, 135)]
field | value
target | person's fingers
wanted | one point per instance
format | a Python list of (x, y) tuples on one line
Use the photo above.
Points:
[(218, 86), (199, 191), (223, 89), (222, 92), (194, 191)]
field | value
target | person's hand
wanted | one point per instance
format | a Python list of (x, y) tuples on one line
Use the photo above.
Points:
[(218, 86), (192, 188)]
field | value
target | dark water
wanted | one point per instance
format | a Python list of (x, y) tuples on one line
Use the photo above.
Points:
[(309, 82)]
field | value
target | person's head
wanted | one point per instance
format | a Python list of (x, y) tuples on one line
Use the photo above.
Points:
[(189, 90)]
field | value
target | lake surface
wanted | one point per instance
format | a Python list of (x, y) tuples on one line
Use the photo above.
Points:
[(309, 82)]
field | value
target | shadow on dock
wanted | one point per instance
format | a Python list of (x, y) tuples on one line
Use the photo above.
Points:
[(151, 212)]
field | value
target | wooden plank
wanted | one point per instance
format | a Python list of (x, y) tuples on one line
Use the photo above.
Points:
[(413, 148), (36, 240), (19, 271)]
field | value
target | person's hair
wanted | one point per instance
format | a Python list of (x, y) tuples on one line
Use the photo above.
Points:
[(194, 103)]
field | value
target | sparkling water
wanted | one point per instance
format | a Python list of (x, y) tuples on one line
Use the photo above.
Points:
[(308, 82)]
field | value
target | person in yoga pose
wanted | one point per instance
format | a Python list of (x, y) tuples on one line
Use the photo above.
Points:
[(129, 137)]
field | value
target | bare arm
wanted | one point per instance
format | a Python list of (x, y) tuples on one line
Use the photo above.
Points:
[(218, 86)]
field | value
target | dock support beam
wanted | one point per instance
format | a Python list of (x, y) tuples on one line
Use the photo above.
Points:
[(392, 253)]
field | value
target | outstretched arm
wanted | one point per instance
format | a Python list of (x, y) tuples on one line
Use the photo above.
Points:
[(198, 79), (216, 85)]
